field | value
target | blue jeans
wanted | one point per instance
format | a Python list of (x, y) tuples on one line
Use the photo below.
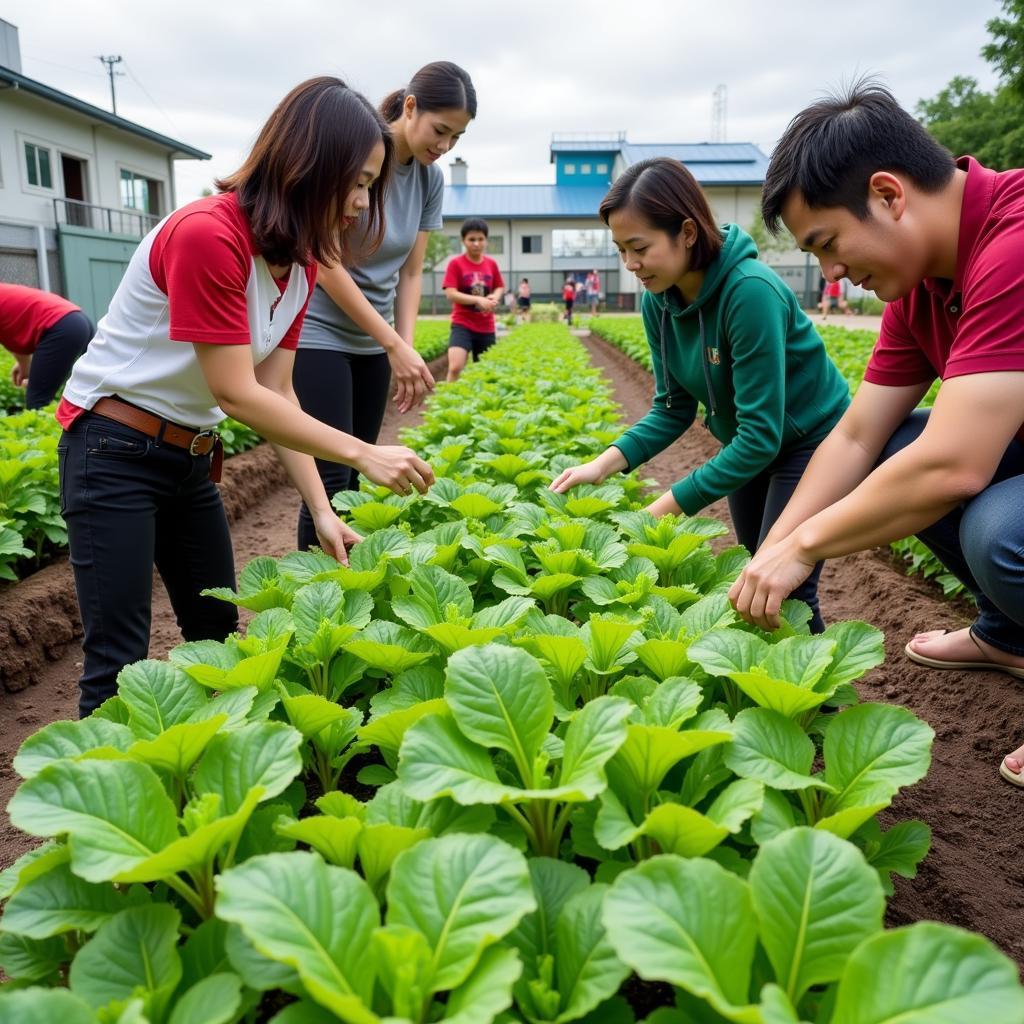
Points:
[(982, 542), (756, 505), (129, 503)]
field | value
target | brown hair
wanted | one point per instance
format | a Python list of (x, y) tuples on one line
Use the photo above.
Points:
[(306, 160), (438, 86), (666, 193)]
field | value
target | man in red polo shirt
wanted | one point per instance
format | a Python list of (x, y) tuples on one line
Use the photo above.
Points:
[(863, 187)]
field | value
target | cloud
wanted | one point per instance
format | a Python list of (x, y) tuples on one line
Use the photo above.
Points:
[(209, 73)]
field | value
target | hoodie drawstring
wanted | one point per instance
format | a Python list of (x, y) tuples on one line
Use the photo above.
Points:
[(664, 358), (704, 362)]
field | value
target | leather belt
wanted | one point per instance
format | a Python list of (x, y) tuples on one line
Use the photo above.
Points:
[(195, 442)]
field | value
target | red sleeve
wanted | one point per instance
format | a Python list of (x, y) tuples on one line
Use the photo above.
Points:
[(990, 331), (202, 266), (452, 274), (291, 339), (897, 360)]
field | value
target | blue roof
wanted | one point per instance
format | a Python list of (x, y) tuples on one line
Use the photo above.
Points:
[(523, 201), (712, 163)]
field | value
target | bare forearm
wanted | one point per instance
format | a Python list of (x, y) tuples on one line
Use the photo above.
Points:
[(283, 423), (835, 469), (301, 470), (461, 298), (905, 494), (407, 305), (611, 460), (347, 296)]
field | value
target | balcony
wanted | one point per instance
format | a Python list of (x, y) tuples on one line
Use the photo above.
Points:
[(77, 214)]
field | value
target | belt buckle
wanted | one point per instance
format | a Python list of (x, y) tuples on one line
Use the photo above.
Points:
[(202, 433)]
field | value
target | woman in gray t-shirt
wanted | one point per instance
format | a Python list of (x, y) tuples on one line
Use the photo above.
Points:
[(359, 327)]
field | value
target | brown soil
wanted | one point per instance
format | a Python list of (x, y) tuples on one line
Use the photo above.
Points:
[(971, 878)]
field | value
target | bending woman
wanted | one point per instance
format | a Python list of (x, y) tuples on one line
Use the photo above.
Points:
[(203, 324), (724, 331), (359, 329)]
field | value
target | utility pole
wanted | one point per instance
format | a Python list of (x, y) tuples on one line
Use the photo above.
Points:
[(719, 101), (110, 62)]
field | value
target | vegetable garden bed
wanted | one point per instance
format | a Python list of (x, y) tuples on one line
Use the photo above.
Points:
[(600, 743)]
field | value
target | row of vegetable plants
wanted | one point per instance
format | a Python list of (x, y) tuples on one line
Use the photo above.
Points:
[(850, 350), (31, 528), (518, 761)]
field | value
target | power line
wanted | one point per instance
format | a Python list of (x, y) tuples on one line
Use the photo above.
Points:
[(145, 91)]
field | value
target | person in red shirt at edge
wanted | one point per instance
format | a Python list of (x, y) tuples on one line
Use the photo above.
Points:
[(473, 283), (863, 186), (46, 334), (205, 323)]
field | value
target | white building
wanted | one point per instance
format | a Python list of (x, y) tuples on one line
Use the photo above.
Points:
[(78, 186)]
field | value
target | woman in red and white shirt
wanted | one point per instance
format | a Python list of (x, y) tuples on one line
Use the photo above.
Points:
[(205, 323)]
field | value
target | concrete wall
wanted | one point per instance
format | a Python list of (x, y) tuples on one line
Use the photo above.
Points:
[(105, 150)]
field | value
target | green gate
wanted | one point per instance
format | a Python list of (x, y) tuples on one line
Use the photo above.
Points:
[(93, 263)]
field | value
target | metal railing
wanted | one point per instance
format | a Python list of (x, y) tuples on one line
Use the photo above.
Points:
[(75, 213)]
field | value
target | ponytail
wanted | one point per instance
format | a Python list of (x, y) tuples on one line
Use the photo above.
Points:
[(438, 86)]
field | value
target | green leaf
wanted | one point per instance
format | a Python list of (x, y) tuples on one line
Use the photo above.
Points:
[(651, 751), (32, 864), (214, 1000), (434, 592), (25, 959), (158, 695), (663, 657), (437, 760), (380, 844), (816, 899), (116, 813), (688, 923), (311, 713), (260, 671), (688, 833), (58, 902), (311, 917), (859, 648), (871, 751), (928, 974), (178, 747), (595, 733), (587, 967), (554, 882), (900, 849), (69, 739), (774, 749), (500, 697), (487, 991), (134, 953), (263, 754), (391, 805), (675, 701), (387, 731), (335, 839), (43, 1006), (389, 647), (463, 893)]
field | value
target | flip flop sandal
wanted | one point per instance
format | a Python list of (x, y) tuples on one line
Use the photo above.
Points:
[(1017, 779), (985, 665)]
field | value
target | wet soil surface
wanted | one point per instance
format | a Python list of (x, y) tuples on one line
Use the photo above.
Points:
[(973, 876)]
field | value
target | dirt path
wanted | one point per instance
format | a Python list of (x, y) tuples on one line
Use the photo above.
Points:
[(973, 876)]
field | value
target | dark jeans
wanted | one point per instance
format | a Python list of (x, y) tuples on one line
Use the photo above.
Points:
[(347, 392), (756, 505), (58, 348), (129, 502), (982, 542)]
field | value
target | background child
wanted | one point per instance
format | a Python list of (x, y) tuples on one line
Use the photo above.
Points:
[(473, 283), (523, 299), (569, 298)]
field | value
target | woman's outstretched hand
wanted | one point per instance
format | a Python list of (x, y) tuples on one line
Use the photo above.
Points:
[(413, 380), (588, 473), (396, 467)]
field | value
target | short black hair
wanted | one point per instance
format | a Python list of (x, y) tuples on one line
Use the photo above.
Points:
[(474, 224), (830, 150)]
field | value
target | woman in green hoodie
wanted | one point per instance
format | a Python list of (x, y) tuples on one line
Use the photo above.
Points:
[(726, 332)]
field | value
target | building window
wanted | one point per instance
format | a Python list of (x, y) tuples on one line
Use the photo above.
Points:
[(532, 244), (454, 244), (582, 242), (584, 168), (602, 168), (496, 245), (37, 164), (569, 168), (139, 192)]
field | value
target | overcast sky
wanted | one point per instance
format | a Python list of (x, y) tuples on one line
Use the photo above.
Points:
[(208, 73)]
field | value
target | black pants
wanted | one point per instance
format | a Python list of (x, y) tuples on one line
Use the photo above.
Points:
[(129, 502), (348, 392), (58, 348), (757, 504), (475, 342)]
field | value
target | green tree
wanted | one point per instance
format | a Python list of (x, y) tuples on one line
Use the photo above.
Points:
[(988, 125), (438, 249), (767, 242)]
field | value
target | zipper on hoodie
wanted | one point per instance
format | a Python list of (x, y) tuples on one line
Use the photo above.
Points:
[(664, 356), (712, 410)]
